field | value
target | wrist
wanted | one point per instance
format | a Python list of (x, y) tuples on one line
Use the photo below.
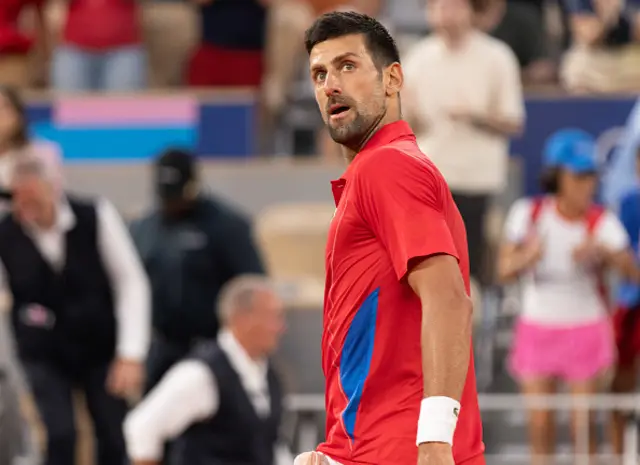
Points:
[(438, 420)]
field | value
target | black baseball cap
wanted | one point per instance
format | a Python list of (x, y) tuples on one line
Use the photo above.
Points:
[(175, 170)]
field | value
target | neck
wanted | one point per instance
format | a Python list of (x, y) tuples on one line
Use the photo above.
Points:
[(245, 342), (454, 39), (570, 210), (384, 119)]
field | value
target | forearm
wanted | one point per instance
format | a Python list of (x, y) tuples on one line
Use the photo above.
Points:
[(624, 264), (497, 125), (511, 266), (446, 346), (133, 309)]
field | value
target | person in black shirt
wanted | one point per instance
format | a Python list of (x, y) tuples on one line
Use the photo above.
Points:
[(230, 52), (190, 246)]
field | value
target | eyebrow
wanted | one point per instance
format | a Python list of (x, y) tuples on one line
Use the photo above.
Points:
[(338, 59)]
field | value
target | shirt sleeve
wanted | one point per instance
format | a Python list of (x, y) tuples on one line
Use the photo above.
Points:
[(187, 394), (130, 283), (516, 226), (402, 199), (611, 233), (510, 97)]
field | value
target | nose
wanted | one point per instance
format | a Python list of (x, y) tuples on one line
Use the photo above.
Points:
[(332, 85)]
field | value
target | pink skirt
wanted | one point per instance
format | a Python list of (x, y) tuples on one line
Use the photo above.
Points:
[(569, 353)]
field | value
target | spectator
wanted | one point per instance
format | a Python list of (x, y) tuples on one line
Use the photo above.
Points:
[(604, 56), (14, 138), (559, 245), (621, 176), (80, 309), (225, 401), (17, 443), (231, 48), (101, 48), (521, 26), (464, 99), (14, 145), (16, 44), (191, 247), (627, 318)]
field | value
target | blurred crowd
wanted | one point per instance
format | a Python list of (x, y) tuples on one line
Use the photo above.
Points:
[(127, 45)]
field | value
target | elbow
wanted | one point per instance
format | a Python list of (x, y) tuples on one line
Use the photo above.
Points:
[(466, 311), (515, 128)]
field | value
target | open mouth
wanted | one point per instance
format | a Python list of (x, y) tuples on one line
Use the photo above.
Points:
[(338, 110)]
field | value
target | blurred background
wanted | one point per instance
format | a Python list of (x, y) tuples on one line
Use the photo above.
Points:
[(111, 84)]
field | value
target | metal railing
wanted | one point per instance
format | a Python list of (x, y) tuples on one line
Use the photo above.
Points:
[(630, 404)]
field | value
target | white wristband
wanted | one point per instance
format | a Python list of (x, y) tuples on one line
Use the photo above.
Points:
[(438, 420)]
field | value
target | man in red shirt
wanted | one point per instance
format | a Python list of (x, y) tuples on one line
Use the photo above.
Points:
[(101, 48), (396, 350)]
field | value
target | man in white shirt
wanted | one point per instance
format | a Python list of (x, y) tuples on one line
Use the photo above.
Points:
[(81, 308), (224, 402), (464, 100)]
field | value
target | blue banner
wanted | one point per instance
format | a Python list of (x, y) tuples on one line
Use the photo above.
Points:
[(601, 117), (226, 127)]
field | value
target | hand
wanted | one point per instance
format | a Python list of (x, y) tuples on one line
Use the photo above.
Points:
[(589, 253), (435, 453), (311, 458), (125, 378)]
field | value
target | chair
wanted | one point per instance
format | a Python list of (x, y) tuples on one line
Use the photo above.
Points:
[(293, 238)]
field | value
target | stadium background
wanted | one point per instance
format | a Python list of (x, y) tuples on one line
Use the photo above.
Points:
[(109, 140)]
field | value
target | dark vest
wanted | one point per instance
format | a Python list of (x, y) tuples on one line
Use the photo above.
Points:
[(235, 435), (65, 317)]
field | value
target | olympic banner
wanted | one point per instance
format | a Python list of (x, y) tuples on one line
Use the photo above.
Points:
[(224, 125)]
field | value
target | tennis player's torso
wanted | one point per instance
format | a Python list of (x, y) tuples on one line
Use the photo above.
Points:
[(371, 352), (370, 345)]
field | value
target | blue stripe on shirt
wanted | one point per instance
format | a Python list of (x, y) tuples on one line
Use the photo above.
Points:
[(355, 361)]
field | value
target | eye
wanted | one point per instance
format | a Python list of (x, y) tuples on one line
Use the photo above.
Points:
[(348, 66), (320, 76)]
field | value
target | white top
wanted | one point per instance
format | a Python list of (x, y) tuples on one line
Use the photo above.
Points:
[(122, 264), (187, 394), (483, 77), (559, 291)]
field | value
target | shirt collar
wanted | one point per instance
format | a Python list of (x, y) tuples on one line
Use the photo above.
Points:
[(384, 136), (65, 219), (253, 373)]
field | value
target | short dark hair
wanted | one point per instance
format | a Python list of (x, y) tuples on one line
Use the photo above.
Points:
[(549, 180), (380, 44), (21, 137)]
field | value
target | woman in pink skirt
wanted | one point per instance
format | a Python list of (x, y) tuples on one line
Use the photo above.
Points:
[(559, 245)]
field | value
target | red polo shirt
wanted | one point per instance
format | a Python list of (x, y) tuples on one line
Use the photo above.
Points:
[(12, 40), (392, 206), (102, 24)]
